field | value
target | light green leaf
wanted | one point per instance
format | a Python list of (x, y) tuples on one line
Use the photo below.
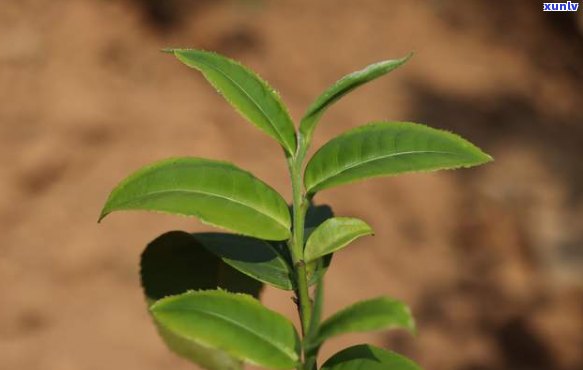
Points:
[(174, 263), (367, 357), (218, 193), (253, 257), (236, 323), (246, 92), (374, 314), (334, 234), (342, 87), (385, 149)]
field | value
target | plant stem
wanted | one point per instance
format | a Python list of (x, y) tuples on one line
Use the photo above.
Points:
[(296, 245)]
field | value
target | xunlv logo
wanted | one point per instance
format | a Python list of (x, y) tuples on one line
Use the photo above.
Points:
[(560, 7)]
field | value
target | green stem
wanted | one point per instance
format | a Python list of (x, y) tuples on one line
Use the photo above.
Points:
[(296, 245)]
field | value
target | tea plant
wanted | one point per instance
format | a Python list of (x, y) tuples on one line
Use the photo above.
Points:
[(202, 288)]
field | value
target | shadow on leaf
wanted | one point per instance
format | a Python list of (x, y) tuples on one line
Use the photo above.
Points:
[(176, 262)]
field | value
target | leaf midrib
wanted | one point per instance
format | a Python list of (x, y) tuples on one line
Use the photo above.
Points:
[(276, 129), (362, 163), (154, 193), (269, 342)]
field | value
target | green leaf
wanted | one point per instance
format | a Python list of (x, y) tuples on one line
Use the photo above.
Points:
[(247, 93), (236, 323), (218, 193), (334, 234), (342, 87), (385, 149), (174, 263), (253, 257), (374, 314), (367, 357)]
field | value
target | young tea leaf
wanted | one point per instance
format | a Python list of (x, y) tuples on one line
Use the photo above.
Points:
[(367, 357), (334, 234), (385, 149), (253, 257), (236, 323), (218, 193), (246, 92), (374, 314), (342, 87), (174, 263)]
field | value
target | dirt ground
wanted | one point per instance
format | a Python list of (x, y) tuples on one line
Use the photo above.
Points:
[(490, 259)]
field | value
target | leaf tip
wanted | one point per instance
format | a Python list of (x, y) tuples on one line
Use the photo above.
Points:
[(167, 50), (483, 158), (409, 56), (368, 229), (104, 212)]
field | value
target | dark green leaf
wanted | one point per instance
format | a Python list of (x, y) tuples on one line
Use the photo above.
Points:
[(246, 92), (218, 193), (334, 234), (385, 149), (342, 87), (254, 257), (373, 314), (367, 357), (174, 263), (236, 323)]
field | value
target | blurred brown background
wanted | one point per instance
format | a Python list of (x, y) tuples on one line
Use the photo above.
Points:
[(490, 259)]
